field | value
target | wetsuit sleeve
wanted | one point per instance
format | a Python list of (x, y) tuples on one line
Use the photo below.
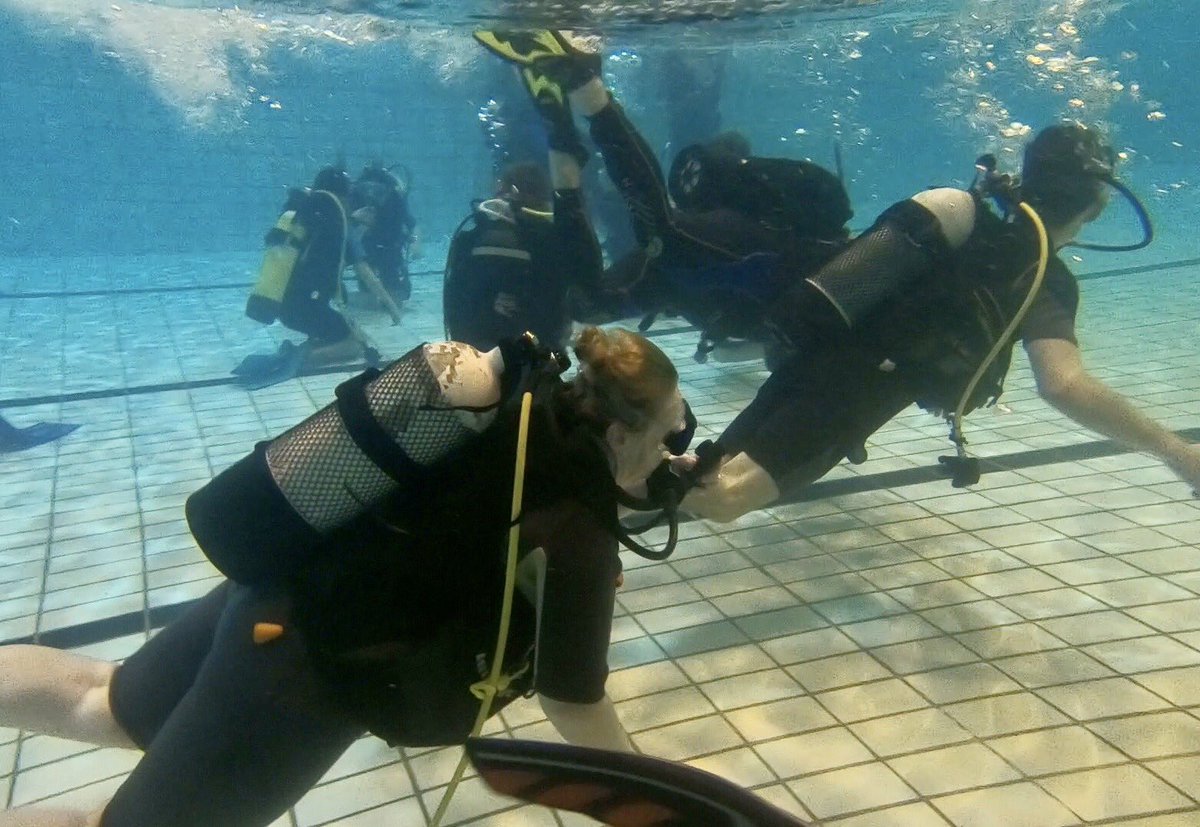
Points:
[(575, 618), (1052, 315), (634, 171), (688, 239)]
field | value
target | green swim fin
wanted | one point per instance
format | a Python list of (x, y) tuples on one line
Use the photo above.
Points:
[(552, 62)]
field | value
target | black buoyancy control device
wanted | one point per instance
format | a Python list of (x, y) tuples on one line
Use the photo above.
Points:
[(782, 193), (902, 245), (267, 514)]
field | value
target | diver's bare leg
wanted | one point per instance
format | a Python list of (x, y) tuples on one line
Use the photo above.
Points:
[(590, 98), (739, 486), (58, 693), (36, 817)]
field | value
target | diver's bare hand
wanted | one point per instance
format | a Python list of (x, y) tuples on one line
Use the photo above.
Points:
[(684, 463)]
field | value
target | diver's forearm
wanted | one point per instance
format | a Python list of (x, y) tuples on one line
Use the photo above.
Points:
[(367, 276), (1096, 406), (738, 487)]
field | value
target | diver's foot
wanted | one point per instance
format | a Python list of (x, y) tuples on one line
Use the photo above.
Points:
[(332, 353)]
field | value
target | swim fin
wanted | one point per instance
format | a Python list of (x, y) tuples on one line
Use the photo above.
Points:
[(619, 788), (267, 370), (523, 47), (256, 363), (14, 439), (552, 64)]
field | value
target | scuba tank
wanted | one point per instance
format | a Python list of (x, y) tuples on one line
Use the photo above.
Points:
[(898, 249), (279, 260), (267, 513)]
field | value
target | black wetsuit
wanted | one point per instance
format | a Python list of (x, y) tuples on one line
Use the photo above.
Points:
[(384, 245), (512, 254), (673, 240), (384, 631), (317, 275), (828, 398)]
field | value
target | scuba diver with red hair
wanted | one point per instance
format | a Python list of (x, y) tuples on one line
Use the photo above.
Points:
[(368, 586)]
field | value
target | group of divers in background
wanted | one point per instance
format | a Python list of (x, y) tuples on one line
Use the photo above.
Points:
[(367, 588)]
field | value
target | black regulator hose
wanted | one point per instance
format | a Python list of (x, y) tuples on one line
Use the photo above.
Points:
[(1143, 217)]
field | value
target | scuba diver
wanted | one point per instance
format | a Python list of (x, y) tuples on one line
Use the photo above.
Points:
[(384, 233), (926, 307), (517, 260), (369, 589), (741, 228), (13, 439), (307, 250)]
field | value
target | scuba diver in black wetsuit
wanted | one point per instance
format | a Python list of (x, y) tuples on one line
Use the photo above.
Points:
[(301, 277), (747, 226), (368, 585), (384, 232), (515, 259), (518, 260), (926, 307)]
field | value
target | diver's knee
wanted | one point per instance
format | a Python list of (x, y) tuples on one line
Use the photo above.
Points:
[(739, 486), (93, 711)]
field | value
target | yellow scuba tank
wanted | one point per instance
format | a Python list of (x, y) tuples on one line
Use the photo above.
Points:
[(279, 262)]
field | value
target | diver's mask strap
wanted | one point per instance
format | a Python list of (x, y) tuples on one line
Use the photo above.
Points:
[(1143, 218)]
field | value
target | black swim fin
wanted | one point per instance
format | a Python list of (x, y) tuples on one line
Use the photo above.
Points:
[(14, 439), (619, 788), (266, 370), (259, 362)]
